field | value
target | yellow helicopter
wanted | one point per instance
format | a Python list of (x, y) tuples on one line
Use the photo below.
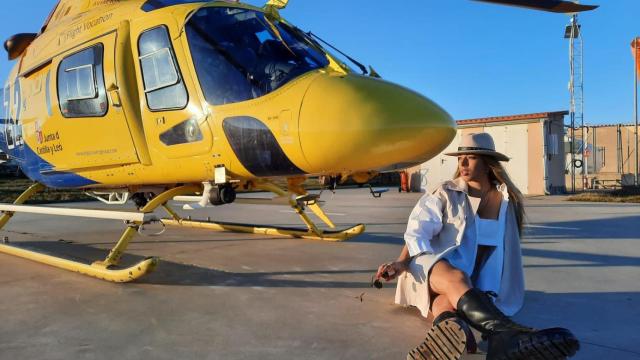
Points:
[(158, 100)]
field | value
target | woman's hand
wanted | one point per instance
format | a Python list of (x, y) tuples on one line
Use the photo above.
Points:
[(390, 271)]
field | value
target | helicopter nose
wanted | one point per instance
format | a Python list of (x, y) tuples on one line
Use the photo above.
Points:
[(360, 123)]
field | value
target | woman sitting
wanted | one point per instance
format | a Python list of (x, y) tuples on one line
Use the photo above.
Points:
[(462, 261)]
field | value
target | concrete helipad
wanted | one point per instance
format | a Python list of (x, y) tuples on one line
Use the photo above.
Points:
[(239, 296)]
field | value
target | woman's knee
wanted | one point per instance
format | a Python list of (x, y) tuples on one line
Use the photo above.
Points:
[(441, 304), (444, 275)]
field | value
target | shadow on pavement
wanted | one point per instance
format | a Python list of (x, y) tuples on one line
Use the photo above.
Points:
[(172, 273), (607, 320), (602, 228), (580, 259)]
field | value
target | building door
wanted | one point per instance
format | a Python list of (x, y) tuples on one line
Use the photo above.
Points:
[(513, 141)]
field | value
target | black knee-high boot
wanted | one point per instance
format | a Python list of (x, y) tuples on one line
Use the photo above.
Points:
[(447, 339), (509, 340)]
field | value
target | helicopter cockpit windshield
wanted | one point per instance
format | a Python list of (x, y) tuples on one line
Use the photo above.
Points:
[(240, 55)]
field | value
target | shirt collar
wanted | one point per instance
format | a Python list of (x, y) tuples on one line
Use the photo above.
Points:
[(457, 185), (460, 185)]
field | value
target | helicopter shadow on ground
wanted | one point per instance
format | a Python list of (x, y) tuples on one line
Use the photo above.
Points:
[(173, 273)]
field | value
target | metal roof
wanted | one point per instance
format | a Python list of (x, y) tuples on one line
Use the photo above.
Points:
[(514, 118)]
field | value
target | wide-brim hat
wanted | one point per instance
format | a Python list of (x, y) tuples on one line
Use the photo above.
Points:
[(480, 144)]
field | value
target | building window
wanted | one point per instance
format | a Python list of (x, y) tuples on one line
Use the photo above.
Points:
[(81, 89), (163, 85), (554, 144)]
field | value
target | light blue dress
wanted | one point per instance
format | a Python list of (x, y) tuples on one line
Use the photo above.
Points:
[(488, 233)]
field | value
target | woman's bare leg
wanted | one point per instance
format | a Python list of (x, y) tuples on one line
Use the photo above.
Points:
[(441, 304), (448, 282), (447, 338)]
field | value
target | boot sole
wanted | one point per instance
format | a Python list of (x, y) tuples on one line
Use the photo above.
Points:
[(446, 341), (549, 344)]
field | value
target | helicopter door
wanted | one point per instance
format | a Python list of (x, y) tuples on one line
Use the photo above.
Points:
[(178, 124), (92, 129)]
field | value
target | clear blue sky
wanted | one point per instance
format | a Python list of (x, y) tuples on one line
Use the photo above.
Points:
[(474, 59)]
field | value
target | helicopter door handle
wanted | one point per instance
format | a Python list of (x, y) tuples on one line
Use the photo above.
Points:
[(114, 94)]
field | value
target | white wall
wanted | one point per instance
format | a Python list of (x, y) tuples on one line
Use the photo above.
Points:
[(511, 140)]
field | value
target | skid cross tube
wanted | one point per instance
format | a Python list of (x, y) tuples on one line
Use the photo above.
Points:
[(99, 269), (26, 195), (312, 231), (116, 253)]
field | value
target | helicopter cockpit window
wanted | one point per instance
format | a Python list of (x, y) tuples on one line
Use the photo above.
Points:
[(240, 55), (162, 83), (81, 89)]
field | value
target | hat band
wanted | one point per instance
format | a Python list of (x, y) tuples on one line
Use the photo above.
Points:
[(468, 148)]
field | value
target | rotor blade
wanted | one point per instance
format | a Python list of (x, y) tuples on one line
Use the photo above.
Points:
[(556, 6)]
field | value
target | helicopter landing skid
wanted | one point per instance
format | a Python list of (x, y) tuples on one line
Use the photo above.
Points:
[(299, 199), (105, 269), (331, 235), (93, 270)]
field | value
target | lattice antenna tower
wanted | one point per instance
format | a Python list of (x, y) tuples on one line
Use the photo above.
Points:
[(576, 92)]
